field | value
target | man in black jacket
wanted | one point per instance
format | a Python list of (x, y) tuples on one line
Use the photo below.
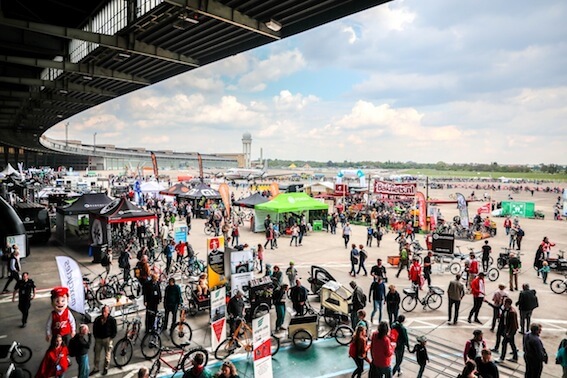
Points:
[(171, 302), (26, 292), (358, 303), (104, 330), (152, 298), (534, 352), (79, 346), (298, 296), (527, 302)]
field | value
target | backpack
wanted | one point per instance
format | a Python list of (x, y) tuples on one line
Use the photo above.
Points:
[(394, 334), (352, 349), (105, 261), (123, 260)]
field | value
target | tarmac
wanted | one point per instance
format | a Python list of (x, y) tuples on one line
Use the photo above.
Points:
[(445, 344)]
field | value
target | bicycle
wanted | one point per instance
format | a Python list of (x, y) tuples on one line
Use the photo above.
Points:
[(559, 285), (210, 229), (241, 338), (18, 353), (90, 296), (124, 348), (113, 286), (181, 333), (151, 342), (433, 299), (184, 363), (11, 372)]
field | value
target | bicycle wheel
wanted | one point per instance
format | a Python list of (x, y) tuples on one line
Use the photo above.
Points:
[(25, 373), (409, 303), (261, 310), (122, 352), (434, 301), (181, 334), (558, 286), (490, 260), (455, 268), (302, 339), (226, 348), (105, 292), (193, 308), (187, 362), (151, 344), (274, 344), (209, 231), (500, 263), (493, 274), (21, 354), (154, 370), (343, 334)]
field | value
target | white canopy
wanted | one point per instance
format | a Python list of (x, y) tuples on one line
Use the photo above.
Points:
[(151, 187), (9, 170)]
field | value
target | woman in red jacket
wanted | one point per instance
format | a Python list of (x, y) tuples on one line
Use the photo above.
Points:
[(381, 350), (55, 362)]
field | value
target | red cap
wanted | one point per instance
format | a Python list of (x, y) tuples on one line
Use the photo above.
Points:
[(59, 291)]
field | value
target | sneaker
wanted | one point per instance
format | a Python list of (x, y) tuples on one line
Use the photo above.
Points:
[(400, 373), (95, 371), (494, 350), (515, 360), (105, 371), (477, 321)]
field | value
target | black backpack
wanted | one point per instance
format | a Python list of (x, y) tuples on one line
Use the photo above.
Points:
[(105, 260), (123, 260)]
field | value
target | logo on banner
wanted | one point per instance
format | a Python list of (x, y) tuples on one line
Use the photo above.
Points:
[(214, 243)]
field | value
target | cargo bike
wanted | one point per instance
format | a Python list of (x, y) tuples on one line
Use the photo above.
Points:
[(335, 305)]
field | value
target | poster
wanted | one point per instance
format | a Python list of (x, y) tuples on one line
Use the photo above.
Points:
[(241, 261), (218, 316), (20, 241), (215, 261), (240, 281), (180, 232), (262, 347)]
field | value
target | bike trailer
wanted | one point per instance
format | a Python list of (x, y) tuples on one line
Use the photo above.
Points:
[(308, 323), (335, 297), (437, 290)]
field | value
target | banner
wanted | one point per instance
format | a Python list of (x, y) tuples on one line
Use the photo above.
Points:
[(341, 189), (242, 261), (218, 316), (215, 261), (443, 243), (71, 278), (393, 188), (224, 192), (154, 164), (180, 232), (262, 347), (484, 209), (422, 205), (463, 210)]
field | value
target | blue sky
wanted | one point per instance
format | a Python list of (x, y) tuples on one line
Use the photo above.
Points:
[(427, 81)]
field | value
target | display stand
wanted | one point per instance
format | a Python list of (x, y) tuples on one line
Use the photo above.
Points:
[(260, 292)]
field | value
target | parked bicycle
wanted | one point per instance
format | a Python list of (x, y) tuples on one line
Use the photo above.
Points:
[(181, 333), (241, 339), (114, 286), (90, 296), (559, 285), (124, 348), (151, 342), (184, 363), (12, 371), (433, 299), (16, 352)]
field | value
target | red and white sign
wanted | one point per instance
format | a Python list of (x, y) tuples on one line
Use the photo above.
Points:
[(218, 316), (341, 189), (407, 189), (262, 347), (484, 209)]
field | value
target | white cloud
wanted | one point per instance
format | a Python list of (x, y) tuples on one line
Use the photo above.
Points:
[(275, 67)]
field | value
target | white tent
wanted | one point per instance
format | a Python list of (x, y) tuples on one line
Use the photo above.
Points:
[(151, 188), (320, 187), (9, 170)]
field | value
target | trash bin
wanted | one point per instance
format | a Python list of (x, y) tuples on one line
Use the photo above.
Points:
[(96, 252), (317, 225)]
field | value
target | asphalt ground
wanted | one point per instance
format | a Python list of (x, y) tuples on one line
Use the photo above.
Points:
[(321, 248)]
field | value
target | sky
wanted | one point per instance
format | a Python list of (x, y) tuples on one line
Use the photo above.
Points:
[(469, 81)]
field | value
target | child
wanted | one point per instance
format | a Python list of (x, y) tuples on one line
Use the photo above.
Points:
[(544, 270), (203, 285), (421, 354), (358, 350)]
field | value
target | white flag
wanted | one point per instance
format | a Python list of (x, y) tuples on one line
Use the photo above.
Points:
[(71, 278)]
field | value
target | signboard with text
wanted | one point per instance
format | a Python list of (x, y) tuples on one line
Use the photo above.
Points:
[(341, 189), (262, 347), (406, 189), (443, 243), (215, 261), (218, 316)]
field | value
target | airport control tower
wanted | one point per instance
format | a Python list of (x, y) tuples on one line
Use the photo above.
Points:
[(247, 148)]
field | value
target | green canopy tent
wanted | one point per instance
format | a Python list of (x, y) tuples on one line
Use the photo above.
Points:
[(296, 203)]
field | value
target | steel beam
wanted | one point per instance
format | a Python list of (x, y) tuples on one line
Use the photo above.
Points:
[(114, 42), (57, 85), (78, 68), (224, 13)]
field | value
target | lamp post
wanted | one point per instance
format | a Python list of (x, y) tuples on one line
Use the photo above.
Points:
[(67, 135), (94, 142)]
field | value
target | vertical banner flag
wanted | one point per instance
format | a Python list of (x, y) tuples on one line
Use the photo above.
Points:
[(218, 316), (422, 205), (262, 347), (154, 164), (224, 192), (200, 160), (463, 210), (71, 278), (274, 189), (215, 261)]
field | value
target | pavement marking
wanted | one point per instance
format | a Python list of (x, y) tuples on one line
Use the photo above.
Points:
[(551, 325), (3, 336)]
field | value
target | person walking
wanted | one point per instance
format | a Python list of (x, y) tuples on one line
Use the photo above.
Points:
[(279, 303), (79, 346), (358, 303), (363, 255), (347, 231), (269, 236), (55, 361), (544, 270), (497, 302), (455, 293), (404, 259), (4, 258), (358, 350), (14, 268), (427, 266), (294, 234), (534, 352), (474, 347), (104, 330), (260, 257), (172, 299), (377, 295), (393, 301), (379, 270), (509, 326), (26, 293), (152, 298), (486, 251), (354, 255), (420, 350), (302, 231), (561, 357), (291, 273), (487, 368), (478, 291), (527, 302), (381, 351), (369, 235), (514, 265), (402, 343)]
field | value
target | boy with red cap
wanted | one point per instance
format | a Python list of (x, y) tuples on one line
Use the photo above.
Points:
[(61, 320)]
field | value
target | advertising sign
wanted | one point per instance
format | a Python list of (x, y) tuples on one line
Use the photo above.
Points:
[(262, 347), (20, 241), (407, 189), (215, 261), (218, 316), (240, 281), (341, 189), (241, 261), (443, 243), (180, 232), (71, 278)]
